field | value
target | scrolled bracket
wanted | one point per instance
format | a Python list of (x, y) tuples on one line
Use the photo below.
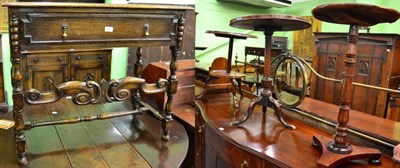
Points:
[(121, 89), (158, 87), (82, 93)]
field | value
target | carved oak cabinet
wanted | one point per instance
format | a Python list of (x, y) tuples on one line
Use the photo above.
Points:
[(377, 64), (38, 27), (44, 70)]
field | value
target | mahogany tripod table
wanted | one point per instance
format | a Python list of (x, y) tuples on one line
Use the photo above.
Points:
[(235, 77), (268, 23), (338, 151)]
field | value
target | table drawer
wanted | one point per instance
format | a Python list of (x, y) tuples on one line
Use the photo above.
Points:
[(89, 57), (47, 28), (47, 59)]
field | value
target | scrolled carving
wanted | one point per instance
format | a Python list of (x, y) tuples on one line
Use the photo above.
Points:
[(160, 86), (82, 93), (81, 98), (33, 94), (121, 89)]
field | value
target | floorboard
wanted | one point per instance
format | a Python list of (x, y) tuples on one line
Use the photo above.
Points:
[(142, 130), (7, 159), (79, 146), (113, 147), (44, 145), (119, 142)]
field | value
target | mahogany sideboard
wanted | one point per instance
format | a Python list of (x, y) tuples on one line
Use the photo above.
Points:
[(263, 142), (377, 64), (66, 26)]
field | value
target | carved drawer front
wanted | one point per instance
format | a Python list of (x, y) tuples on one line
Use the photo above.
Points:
[(244, 159), (224, 154), (47, 59), (88, 57), (50, 28)]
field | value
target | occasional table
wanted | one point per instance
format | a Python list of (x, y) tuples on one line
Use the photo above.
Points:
[(235, 77), (47, 27), (339, 151), (268, 23)]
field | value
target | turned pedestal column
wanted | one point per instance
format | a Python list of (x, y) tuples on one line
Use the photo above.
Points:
[(338, 150)]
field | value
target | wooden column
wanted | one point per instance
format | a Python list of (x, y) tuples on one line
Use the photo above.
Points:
[(266, 82), (173, 82), (16, 77), (339, 145)]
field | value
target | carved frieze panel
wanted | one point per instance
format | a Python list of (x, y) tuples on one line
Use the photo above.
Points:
[(90, 92), (331, 64), (363, 68)]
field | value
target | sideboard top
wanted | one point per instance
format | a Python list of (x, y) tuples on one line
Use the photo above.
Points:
[(92, 5)]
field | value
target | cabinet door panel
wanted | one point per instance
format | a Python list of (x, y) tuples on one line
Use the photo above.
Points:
[(44, 79), (377, 55)]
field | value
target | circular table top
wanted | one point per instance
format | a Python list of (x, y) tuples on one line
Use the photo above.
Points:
[(274, 22), (230, 34), (355, 14), (224, 74)]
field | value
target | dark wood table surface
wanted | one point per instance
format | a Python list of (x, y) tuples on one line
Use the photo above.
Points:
[(117, 142), (230, 34), (264, 136), (273, 22), (355, 14)]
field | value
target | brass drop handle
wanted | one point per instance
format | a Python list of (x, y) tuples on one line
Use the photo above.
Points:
[(64, 29), (78, 58), (35, 60), (244, 164), (146, 30), (201, 128), (60, 59), (100, 56)]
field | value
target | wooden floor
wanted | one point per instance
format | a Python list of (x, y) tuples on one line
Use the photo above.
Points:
[(118, 142)]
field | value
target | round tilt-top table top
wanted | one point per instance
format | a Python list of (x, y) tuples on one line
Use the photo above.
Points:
[(230, 34), (271, 22), (355, 14)]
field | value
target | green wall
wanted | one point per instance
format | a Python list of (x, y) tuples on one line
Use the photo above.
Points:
[(119, 55), (6, 66), (215, 15)]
